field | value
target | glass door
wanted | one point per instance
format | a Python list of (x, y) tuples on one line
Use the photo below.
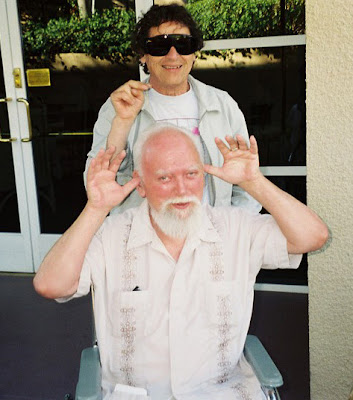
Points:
[(65, 91), (15, 234), (47, 113), (46, 129)]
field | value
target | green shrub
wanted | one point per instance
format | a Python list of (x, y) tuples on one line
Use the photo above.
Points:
[(106, 35), (229, 19), (232, 19)]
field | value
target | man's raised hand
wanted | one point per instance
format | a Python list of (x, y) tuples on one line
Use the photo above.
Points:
[(241, 164), (128, 99), (103, 191)]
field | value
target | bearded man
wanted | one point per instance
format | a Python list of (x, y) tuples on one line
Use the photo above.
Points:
[(173, 278)]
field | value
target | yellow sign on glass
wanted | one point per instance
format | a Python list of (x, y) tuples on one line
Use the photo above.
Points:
[(38, 77)]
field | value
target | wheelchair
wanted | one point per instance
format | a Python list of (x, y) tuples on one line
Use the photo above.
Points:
[(89, 381)]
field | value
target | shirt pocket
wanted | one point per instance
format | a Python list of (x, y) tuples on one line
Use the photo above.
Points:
[(224, 305), (130, 316)]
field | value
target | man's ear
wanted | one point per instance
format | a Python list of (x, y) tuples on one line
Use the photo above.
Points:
[(193, 61), (140, 188)]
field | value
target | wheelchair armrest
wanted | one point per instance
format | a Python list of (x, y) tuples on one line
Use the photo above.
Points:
[(262, 364), (89, 381)]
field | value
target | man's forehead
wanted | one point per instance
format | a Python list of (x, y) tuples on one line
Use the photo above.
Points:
[(171, 170), (167, 27), (168, 135), (170, 152), (169, 142)]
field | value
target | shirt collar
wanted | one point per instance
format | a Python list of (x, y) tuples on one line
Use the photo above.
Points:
[(206, 98), (142, 231)]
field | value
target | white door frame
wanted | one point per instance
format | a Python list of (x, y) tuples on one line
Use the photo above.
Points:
[(40, 243), (15, 248), (19, 251)]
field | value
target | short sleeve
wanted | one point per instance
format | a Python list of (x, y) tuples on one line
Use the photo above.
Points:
[(269, 245)]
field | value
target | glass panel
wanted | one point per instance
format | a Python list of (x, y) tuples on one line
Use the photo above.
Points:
[(231, 19), (9, 218), (269, 86), (286, 276), (63, 114), (296, 186)]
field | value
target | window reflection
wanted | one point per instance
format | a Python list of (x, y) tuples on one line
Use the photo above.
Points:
[(286, 276), (63, 116), (296, 186), (269, 86), (231, 19)]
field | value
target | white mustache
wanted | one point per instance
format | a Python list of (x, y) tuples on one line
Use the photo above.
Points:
[(178, 223), (183, 199)]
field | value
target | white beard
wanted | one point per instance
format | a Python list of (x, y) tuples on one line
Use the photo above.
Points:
[(178, 223)]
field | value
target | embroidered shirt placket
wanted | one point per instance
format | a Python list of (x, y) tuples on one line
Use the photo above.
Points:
[(217, 270), (223, 312), (127, 314), (128, 270), (241, 390)]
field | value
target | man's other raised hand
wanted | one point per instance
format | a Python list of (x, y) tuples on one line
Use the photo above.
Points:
[(103, 192)]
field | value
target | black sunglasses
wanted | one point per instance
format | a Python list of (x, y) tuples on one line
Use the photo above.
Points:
[(160, 45)]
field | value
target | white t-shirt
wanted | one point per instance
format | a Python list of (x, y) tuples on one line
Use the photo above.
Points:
[(182, 111), (182, 333)]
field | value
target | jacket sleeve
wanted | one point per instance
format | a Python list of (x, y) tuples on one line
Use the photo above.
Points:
[(236, 118), (101, 131)]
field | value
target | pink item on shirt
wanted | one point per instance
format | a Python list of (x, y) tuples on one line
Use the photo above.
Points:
[(196, 131)]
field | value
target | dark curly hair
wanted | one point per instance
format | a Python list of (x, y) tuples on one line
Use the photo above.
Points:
[(156, 16)]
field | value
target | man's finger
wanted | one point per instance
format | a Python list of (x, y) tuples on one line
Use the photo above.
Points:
[(91, 168), (116, 161), (253, 145), (125, 97), (138, 85), (233, 145), (99, 158), (107, 157), (215, 171), (95, 164), (130, 186), (128, 86), (137, 93), (241, 143), (221, 146)]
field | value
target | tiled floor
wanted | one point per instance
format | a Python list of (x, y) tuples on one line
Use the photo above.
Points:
[(41, 341)]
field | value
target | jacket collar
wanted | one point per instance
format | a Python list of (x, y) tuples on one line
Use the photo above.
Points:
[(207, 98)]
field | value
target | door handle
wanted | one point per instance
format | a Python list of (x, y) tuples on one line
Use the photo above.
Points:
[(2, 140), (21, 100)]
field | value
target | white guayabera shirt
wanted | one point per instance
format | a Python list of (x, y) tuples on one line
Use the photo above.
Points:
[(182, 333)]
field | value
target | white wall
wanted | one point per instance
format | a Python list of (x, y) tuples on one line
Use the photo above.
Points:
[(329, 29)]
